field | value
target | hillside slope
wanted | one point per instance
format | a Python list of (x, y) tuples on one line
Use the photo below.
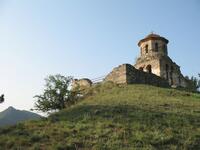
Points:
[(113, 117), (11, 116)]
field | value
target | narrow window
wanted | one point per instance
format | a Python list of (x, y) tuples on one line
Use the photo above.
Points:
[(171, 75), (165, 48), (141, 68), (156, 47), (148, 68), (179, 79), (146, 48), (167, 72)]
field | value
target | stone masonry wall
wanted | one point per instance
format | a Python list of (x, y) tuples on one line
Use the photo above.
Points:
[(127, 74), (173, 73), (154, 63), (81, 84), (118, 75)]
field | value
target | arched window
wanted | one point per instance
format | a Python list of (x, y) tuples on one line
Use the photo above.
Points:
[(141, 68), (146, 48), (148, 68), (156, 47), (172, 68), (167, 72), (165, 48)]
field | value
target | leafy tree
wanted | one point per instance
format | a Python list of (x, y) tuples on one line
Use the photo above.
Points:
[(193, 83), (57, 94), (2, 98), (198, 82)]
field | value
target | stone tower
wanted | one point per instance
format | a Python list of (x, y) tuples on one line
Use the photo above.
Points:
[(154, 59)]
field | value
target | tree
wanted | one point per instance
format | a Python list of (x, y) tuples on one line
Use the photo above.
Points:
[(198, 84), (57, 94), (193, 83), (2, 98)]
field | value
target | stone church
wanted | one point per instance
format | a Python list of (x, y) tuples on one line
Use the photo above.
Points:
[(154, 59), (153, 67)]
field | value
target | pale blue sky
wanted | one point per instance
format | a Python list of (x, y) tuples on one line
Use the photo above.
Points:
[(87, 38)]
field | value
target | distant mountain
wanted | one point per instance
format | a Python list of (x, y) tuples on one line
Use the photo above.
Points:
[(11, 116)]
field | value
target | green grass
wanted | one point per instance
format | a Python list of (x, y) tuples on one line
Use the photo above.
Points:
[(115, 117)]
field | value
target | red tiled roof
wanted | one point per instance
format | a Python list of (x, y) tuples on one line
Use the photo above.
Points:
[(152, 36)]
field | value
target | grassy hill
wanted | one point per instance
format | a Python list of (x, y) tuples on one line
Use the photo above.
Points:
[(113, 117)]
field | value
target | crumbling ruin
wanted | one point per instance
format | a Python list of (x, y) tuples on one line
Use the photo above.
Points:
[(128, 74), (154, 59), (81, 83), (153, 67)]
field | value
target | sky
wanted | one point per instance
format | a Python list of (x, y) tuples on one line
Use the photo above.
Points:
[(87, 39)]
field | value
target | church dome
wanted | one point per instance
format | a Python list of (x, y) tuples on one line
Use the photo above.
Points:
[(153, 36)]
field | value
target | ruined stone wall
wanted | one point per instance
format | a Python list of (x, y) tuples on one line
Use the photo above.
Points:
[(118, 75), (164, 67), (137, 76), (171, 72), (152, 61), (128, 74), (81, 83)]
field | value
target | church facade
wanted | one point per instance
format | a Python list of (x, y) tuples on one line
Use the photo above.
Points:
[(153, 67), (154, 59)]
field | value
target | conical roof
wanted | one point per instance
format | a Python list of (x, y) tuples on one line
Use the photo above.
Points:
[(152, 36)]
